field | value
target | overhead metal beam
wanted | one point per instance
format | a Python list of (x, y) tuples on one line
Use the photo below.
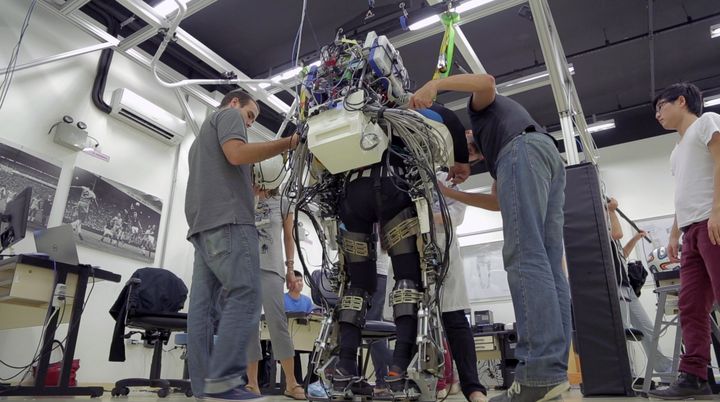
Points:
[(572, 118), (199, 50), (61, 56), (468, 53), (513, 87), (469, 16), (150, 30), (72, 5)]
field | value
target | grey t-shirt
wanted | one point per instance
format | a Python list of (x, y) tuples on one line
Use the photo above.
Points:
[(496, 125), (218, 193), (269, 221)]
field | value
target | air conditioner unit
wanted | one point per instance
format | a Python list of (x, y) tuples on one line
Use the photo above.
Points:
[(133, 109)]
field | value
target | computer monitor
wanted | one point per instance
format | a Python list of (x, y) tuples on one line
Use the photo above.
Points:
[(14, 219)]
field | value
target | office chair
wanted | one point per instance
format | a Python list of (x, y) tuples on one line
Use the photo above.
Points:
[(374, 331), (147, 303)]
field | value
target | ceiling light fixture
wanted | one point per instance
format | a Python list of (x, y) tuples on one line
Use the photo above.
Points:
[(601, 126), (465, 6), (712, 101), (715, 31)]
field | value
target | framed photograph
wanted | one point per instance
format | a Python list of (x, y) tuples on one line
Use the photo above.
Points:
[(19, 169), (113, 217), (485, 275), (658, 229)]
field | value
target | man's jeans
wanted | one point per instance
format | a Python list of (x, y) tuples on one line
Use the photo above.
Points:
[(531, 192), (225, 257)]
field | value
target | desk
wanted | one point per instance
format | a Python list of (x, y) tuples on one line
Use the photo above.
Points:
[(303, 328), (27, 282)]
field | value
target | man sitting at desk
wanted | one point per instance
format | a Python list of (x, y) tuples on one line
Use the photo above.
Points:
[(295, 302)]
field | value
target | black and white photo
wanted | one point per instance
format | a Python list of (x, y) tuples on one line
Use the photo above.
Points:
[(18, 170), (113, 217)]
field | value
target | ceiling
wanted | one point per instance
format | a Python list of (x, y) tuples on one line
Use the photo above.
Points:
[(609, 42)]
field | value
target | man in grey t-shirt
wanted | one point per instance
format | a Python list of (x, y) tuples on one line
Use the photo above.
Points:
[(221, 216)]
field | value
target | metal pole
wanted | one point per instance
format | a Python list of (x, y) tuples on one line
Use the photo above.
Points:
[(58, 57)]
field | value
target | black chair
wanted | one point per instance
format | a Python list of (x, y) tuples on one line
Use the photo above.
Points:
[(166, 290), (374, 330)]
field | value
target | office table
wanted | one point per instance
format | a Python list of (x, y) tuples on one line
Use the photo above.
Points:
[(27, 283)]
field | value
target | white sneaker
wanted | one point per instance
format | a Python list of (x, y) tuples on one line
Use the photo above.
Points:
[(455, 388), (442, 394)]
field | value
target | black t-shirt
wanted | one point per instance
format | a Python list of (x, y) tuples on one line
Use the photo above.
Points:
[(496, 125), (620, 263)]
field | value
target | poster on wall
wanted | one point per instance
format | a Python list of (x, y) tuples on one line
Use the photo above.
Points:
[(658, 229), (485, 276), (19, 169), (112, 217)]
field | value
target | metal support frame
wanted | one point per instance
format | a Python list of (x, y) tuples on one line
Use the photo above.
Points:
[(467, 52), (61, 56), (199, 50), (512, 87), (564, 92)]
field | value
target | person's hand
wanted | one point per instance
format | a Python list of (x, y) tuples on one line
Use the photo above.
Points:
[(294, 141), (459, 172), (641, 234), (289, 279), (442, 188), (714, 228), (423, 97), (612, 205), (673, 248)]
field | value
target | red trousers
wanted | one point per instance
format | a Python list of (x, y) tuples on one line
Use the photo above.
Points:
[(699, 290)]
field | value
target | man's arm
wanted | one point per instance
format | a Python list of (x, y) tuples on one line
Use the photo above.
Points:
[(479, 200), (714, 221), (289, 244), (238, 152), (674, 242), (616, 232), (482, 86), (631, 244)]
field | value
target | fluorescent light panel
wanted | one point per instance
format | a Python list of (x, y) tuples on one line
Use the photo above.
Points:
[(712, 101), (601, 126), (465, 6), (715, 31)]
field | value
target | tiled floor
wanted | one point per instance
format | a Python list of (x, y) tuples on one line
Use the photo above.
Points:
[(573, 395)]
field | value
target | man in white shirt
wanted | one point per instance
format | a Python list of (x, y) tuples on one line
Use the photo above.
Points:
[(695, 163)]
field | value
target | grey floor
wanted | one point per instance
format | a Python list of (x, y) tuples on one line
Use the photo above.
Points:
[(146, 396)]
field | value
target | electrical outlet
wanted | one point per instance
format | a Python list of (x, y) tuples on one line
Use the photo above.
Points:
[(59, 295), (131, 341)]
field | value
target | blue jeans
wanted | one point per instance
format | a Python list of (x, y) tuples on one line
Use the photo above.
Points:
[(531, 192), (225, 258)]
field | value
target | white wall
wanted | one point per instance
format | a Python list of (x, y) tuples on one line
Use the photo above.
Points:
[(38, 98)]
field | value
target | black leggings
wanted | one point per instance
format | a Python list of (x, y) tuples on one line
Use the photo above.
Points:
[(359, 211), (462, 348)]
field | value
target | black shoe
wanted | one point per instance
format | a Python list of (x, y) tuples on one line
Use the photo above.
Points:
[(685, 387), (398, 383), (347, 384)]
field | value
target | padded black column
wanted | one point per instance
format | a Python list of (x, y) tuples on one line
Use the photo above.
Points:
[(596, 309)]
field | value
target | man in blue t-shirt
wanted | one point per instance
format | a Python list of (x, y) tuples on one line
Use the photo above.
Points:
[(295, 302)]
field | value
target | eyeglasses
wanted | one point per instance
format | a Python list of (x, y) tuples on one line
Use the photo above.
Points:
[(660, 105)]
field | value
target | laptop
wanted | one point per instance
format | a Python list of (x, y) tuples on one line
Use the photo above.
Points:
[(58, 243)]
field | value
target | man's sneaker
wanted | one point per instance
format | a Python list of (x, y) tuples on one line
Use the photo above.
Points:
[(685, 387), (235, 394), (525, 393)]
